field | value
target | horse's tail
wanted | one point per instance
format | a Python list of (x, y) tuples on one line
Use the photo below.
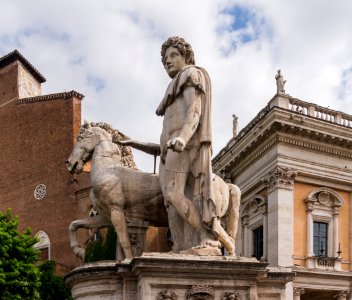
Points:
[(233, 211)]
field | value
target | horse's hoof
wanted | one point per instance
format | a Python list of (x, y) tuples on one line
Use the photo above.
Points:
[(126, 261), (79, 252)]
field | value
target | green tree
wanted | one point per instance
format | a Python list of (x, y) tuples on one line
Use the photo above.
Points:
[(104, 248), (19, 276), (52, 286)]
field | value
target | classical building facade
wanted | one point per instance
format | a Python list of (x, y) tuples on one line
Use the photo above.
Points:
[(37, 135), (293, 163)]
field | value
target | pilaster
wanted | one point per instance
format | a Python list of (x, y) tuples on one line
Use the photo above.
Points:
[(280, 216), (297, 292)]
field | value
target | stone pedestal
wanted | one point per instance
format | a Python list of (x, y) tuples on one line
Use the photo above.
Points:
[(159, 276)]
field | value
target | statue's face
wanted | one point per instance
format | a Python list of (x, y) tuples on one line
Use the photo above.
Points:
[(173, 61)]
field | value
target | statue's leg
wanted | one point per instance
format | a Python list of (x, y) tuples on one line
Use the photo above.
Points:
[(173, 179), (233, 213), (224, 238), (176, 228), (96, 221), (119, 221)]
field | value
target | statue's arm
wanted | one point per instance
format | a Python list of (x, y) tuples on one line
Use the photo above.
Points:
[(150, 148), (192, 100)]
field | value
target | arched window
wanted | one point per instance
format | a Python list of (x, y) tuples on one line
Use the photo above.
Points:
[(254, 227), (43, 245), (323, 206)]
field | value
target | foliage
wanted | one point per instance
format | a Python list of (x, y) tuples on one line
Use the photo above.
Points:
[(52, 286), (103, 248), (19, 276)]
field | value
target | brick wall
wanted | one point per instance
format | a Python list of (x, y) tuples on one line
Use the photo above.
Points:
[(37, 136)]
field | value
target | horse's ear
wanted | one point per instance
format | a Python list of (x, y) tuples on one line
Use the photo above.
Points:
[(87, 124)]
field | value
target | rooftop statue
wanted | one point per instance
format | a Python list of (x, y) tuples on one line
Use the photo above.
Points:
[(280, 82)]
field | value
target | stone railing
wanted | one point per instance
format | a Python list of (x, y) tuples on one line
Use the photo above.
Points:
[(325, 261), (316, 111)]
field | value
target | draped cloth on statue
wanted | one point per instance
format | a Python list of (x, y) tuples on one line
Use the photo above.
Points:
[(197, 77)]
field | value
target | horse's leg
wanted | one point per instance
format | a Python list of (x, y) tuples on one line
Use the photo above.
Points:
[(118, 219), (97, 221), (224, 238), (234, 205)]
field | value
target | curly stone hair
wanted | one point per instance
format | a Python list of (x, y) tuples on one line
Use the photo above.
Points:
[(181, 45)]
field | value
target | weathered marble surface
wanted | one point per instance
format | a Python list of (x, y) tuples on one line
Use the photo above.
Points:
[(161, 275)]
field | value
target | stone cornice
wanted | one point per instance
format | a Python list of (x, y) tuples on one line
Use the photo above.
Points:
[(295, 116), (64, 95), (279, 126)]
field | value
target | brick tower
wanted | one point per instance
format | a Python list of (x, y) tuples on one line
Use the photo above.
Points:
[(37, 135)]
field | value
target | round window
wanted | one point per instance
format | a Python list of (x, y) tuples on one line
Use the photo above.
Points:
[(39, 191)]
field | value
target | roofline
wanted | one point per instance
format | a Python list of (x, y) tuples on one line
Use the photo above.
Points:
[(16, 55), (64, 95)]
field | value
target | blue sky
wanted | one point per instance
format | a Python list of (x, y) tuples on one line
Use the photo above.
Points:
[(110, 52)]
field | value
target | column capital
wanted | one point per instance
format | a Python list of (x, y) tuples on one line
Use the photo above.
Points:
[(297, 291), (342, 295), (280, 178), (310, 204)]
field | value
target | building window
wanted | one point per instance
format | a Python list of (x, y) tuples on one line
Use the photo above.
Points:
[(252, 236), (320, 239), (323, 206), (258, 242), (43, 245)]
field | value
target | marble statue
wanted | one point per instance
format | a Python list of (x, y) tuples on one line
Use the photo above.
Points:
[(186, 179), (280, 82), (118, 189), (234, 125)]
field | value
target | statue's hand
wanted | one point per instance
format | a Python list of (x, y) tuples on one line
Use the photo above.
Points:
[(177, 144)]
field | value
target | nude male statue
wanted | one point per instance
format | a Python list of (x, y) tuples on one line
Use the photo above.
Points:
[(185, 144)]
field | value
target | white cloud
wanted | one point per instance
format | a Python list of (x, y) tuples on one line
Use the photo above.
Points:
[(115, 45)]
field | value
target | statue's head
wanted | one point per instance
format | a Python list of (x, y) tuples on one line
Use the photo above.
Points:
[(175, 54)]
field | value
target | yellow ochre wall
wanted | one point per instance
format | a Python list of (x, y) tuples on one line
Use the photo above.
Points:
[(301, 191)]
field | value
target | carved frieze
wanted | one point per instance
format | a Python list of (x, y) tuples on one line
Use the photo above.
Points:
[(281, 177), (167, 295), (231, 296), (342, 295), (200, 292), (297, 291)]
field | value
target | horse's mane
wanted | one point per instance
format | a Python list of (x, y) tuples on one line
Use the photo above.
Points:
[(126, 152)]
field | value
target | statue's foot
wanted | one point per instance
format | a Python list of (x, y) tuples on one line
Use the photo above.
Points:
[(205, 243), (126, 261)]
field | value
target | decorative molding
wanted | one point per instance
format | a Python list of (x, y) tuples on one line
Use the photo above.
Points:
[(81, 194), (50, 97), (315, 147), (44, 241), (167, 295), (297, 291), (40, 191), (342, 295), (230, 296), (256, 204), (281, 177), (241, 166), (200, 292)]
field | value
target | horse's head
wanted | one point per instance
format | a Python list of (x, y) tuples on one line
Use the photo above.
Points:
[(87, 139)]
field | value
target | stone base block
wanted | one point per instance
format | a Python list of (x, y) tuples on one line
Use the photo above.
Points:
[(160, 276)]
